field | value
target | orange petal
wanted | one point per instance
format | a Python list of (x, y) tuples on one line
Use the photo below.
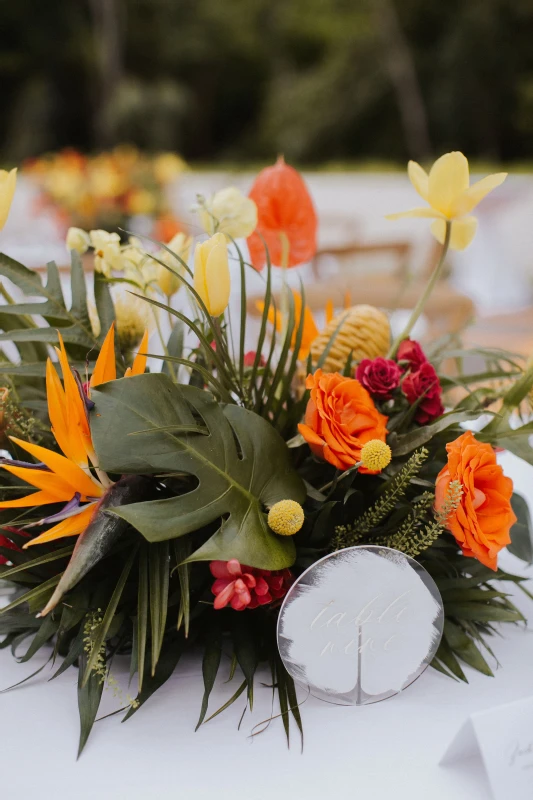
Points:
[(71, 526), (105, 368), (139, 363), (64, 468), (79, 434), (54, 486), (35, 499)]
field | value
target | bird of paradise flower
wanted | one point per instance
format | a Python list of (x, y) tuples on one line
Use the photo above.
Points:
[(74, 477)]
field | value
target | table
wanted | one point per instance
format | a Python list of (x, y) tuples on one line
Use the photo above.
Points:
[(390, 749)]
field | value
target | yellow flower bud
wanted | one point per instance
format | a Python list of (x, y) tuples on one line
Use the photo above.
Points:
[(8, 181), (132, 319), (286, 517), (229, 211), (376, 455), (211, 273), (166, 280), (78, 239)]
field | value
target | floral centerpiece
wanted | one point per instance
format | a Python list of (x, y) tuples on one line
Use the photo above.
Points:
[(107, 189), (145, 513)]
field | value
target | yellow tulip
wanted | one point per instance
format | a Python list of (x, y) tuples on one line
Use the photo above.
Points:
[(166, 280), (229, 211), (211, 273), (450, 197), (8, 181)]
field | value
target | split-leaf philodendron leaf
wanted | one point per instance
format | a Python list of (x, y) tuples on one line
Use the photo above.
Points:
[(242, 465)]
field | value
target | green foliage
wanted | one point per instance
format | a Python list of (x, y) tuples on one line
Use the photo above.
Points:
[(240, 462), (352, 533)]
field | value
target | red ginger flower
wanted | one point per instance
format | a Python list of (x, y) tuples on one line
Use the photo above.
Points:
[(247, 587), (286, 218), (8, 544)]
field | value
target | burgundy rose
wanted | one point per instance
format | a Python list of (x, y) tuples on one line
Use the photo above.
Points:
[(410, 351), (425, 384), (379, 376)]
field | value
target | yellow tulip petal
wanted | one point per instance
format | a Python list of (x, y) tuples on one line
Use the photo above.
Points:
[(431, 213), (35, 499), (72, 526), (463, 231), (64, 468), (217, 279), (105, 368), (419, 178), (139, 362), (8, 182), (448, 179), (475, 194)]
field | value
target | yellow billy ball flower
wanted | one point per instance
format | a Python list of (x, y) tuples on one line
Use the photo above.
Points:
[(376, 455), (211, 273), (8, 182), (286, 517), (450, 197)]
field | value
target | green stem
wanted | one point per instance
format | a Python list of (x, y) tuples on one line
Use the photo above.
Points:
[(340, 477), (284, 300), (417, 310), (164, 344)]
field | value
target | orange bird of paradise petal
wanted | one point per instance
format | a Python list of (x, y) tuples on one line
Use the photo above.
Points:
[(310, 330), (66, 477)]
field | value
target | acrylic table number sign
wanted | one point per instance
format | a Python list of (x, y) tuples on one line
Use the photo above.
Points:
[(360, 625)]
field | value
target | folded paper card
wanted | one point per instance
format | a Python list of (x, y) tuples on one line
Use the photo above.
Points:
[(503, 738)]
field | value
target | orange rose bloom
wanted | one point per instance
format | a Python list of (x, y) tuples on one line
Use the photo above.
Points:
[(482, 521), (340, 418)]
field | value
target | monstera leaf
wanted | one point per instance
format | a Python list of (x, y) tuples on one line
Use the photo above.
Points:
[(149, 425)]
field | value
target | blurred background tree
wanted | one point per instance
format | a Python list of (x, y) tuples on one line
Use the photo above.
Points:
[(319, 80)]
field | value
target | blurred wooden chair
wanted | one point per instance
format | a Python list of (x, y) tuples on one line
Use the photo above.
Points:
[(447, 311)]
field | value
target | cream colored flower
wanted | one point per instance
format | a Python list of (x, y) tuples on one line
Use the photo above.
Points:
[(107, 253), (229, 211), (133, 317), (78, 239), (168, 282), (8, 182), (211, 273), (450, 197)]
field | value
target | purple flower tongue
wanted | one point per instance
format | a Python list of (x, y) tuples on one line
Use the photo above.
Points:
[(10, 462), (72, 508), (82, 388)]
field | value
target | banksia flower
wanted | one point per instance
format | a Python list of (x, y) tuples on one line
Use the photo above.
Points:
[(364, 332), (376, 455), (286, 517)]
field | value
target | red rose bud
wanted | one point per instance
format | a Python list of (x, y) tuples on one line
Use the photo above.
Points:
[(379, 376), (411, 352), (424, 384), (249, 359)]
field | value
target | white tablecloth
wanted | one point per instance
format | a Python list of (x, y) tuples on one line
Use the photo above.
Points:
[(382, 751)]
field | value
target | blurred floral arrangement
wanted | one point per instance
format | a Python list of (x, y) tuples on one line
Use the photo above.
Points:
[(204, 489), (107, 189)]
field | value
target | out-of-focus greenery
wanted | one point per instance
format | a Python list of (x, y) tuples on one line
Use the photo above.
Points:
[(245, 79)]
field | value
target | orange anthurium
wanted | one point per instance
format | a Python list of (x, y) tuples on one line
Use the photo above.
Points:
[(286, 218), (72, 478)]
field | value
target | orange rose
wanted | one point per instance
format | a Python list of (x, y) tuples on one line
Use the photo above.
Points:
[(340, 418), (482, 521)]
